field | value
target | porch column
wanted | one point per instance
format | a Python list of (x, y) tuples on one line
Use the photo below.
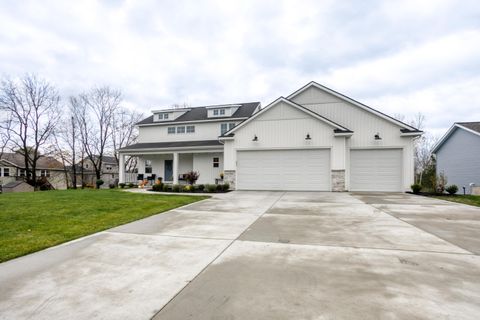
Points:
[(121, 168), (175, 168)]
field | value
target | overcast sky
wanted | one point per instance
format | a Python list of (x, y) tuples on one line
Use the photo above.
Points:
[(400, 57)]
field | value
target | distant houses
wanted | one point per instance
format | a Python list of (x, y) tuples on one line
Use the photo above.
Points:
[(12, 168), (53, 173)]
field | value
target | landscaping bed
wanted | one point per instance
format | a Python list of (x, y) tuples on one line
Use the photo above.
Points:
[(200, 188), (37, 220)]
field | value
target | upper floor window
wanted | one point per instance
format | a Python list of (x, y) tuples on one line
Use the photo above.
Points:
[(218, 112), (163, 116), (108, 167), (171, 130), (44, 173), (181, 129), (190, 129), (224, 127)]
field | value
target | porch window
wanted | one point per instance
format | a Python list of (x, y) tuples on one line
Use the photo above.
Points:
[(171, 130), (190, 129), (44, 173), (148, 166), (181, 129), (216, 162)]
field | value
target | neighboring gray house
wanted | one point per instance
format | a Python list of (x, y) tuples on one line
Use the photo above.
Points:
[(109, 172), (458, 155)]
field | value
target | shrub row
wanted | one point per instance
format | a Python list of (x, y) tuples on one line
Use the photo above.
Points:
[(210, 188), (451, 189)]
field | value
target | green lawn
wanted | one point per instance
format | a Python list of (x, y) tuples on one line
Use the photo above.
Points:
[(465, 199), (33, 221)]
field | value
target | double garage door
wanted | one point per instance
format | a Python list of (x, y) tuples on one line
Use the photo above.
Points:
[(302, 170), (309, 170)]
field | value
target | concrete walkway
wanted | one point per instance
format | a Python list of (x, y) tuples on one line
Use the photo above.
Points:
[(263, 255)]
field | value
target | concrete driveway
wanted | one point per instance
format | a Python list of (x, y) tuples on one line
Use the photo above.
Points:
[(263, 255)]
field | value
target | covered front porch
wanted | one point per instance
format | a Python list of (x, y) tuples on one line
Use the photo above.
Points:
[(171, 165)]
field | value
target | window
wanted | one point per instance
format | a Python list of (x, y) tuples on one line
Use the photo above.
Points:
[(171, 130), (148, 166), (44, 173), (224, 127), (86, 166), (22, 173), (181, 129), (163, 116), (216, 162), (217, 112), (108, 167), (6, 172), (190, 129)]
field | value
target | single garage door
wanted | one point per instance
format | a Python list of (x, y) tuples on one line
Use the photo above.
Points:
[(376, 170), (306, 170)]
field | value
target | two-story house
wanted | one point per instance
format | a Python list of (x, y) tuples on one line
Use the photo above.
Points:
[(315, 139), (172, 142), (87, 176)]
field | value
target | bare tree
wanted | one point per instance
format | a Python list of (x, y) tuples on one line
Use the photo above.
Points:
[(125, 133), (94, 112), (31, 112)]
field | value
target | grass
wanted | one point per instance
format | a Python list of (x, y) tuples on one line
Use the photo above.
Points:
[(465, 199), (33, 221)]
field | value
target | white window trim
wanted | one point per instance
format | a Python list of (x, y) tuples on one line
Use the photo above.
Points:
[(191, 126), (184, 129), (174, 130)]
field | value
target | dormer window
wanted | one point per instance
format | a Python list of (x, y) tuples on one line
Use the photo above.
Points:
[(163, 116), (219, 112)]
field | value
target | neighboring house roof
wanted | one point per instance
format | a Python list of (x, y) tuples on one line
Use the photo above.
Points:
[(405, 127), (337, 127), (244, 110), (44, 162), (105, 159), (472, 127), (173, 144)]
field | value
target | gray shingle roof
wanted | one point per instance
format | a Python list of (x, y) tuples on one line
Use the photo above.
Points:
[(44, 162), (173, 144), (475, 126), (200, 113)]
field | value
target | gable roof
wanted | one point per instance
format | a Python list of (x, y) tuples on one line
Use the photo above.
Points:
[(405, 127), (44, 162), (244, 110), (337, 128), (472, 127)]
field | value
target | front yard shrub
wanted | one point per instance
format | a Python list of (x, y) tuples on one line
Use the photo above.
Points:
[(157, 187), (99, 182), (225, 187), (122, 185), (130, 185), (111, 185), (219, 187), (165, 187), (416, 188), (176, 188), (201, 187), (211, 188), (188, 188), (452, 189), (441, 182)]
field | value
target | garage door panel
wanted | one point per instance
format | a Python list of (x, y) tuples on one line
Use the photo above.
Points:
[(283, 170), (376, 170)]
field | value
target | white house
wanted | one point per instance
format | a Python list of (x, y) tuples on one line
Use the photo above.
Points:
[(315, 139)]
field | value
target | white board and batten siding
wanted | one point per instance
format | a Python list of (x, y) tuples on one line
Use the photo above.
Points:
[(299, 170), (376, 170)]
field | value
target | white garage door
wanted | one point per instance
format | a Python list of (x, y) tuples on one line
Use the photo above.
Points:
[(306, 170), (376, 170)]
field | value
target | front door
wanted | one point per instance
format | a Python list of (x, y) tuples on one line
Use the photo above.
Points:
[(168, 170)]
